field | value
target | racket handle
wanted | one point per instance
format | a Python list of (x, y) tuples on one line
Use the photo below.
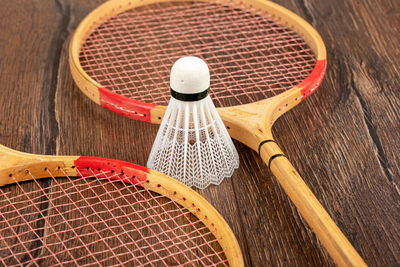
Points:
[(334, 241)]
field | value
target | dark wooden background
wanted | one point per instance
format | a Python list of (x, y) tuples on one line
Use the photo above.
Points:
[(344, 140)]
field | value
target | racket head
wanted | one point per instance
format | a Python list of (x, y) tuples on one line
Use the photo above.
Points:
[(121, 54), (60, 210)]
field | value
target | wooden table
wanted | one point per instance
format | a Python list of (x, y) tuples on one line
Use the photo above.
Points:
[(344, 140)]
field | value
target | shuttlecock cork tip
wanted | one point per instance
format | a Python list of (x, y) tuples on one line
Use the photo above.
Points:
[(190, 75)]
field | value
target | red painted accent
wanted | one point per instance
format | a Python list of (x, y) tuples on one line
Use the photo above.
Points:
[(314, 80), (125, 106), (88, 165)]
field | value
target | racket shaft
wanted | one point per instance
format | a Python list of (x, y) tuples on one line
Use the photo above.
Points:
[(334, 241)]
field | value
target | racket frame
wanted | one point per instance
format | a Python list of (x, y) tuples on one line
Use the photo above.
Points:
[(152, 113), (17, 166)]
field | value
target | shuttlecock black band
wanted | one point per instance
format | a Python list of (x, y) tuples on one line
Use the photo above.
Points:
[(189, 97)]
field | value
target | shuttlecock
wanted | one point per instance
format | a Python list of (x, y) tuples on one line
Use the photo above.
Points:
[(192, 143)]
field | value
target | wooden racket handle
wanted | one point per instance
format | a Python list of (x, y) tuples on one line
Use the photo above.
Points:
[(334, 241)]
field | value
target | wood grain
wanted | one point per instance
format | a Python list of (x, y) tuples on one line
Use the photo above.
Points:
[(344, 140)]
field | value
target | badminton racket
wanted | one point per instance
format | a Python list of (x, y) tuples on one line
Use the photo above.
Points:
[(88, 211), (263, 59)]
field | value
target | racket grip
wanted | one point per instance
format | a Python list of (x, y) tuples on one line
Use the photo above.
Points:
[(332, 238)]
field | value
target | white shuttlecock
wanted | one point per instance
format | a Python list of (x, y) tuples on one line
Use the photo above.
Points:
[(192, 144)]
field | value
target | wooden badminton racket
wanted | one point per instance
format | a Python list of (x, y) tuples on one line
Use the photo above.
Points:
[(263, 59), (88, 211)]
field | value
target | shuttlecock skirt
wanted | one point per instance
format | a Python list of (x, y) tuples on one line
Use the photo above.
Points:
[(193, 145)]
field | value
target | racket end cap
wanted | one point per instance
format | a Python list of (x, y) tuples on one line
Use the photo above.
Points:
[(190, 75)]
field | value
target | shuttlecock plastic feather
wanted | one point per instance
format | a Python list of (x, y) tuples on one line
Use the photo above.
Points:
[(192, 144)]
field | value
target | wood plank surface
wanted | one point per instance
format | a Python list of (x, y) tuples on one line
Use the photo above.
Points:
[(344, 140)]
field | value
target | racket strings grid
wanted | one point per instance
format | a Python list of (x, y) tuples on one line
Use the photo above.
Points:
[(98, 220), (251, 55)]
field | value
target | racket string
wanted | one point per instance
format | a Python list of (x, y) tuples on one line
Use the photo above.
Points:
[(251, 56), (164, 222), (141, 249), (20, 248), (99, 221)]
